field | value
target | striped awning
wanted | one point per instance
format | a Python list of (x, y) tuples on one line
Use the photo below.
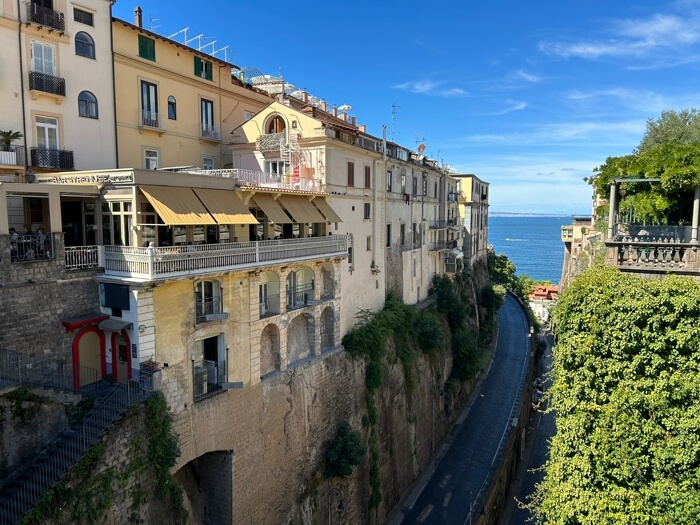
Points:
[(177, 206), (326, 210), (225, 206), (269, 205), (301, 209)]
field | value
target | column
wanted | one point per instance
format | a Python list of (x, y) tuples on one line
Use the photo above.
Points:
[(696, 216), (612, 214)]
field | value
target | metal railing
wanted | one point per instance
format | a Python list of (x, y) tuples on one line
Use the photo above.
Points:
[(47, 83), (206, 307), (271, 141), (154, 263), (9, 366), (46, 17), (51, 158), (210, 132), (12, 155), (300, 296), (289, 181), (641, 233), (436, 246), (437, 224), (209, 378), (270, 305), (26, 248), (81, 257), (151, 119)]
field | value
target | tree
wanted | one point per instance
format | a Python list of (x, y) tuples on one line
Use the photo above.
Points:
[(627, 396), (345, 453), (682, 127)]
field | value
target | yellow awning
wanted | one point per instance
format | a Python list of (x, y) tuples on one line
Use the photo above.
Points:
[(269, 205), (325, 208), (225, 206), (301, 209), (177, 206)]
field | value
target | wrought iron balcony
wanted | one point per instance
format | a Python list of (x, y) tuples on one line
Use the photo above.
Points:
[(46, 17), (211, 309), (151, 119), (32, 247), (47, 83), (52, 158), (12, 155), (210, 133)]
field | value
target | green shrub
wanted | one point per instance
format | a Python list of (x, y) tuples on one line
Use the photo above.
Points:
[(345, 453)]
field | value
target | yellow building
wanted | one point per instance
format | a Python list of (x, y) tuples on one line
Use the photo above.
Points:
[(474, 208), (176, 106)]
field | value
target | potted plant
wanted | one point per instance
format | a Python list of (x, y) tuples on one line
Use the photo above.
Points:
[(7, 137)]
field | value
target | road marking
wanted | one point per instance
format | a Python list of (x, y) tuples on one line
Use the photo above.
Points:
[(426, 512), (446, 499), (444, 480)]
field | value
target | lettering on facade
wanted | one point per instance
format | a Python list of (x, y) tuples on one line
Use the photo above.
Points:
[(97, 178), (134, 351), (216, 317)]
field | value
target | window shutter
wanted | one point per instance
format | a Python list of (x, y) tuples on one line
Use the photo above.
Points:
[(197, 67), (210, 70), (147, 48), (143, 47)]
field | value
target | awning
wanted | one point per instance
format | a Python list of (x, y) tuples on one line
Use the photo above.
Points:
[(325, 208), (73, 323), (225, 206), (114, 325), (457, 253), (301, 209), (273, 210), (177, 206)]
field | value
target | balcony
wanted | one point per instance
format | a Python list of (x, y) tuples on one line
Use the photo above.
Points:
[(567, 233), (148, 264), (269, 305), (210, 133), (32, 248), (437, 224), (210, 309), (289, 181), (437, 246), (51, 158), (44, 16), (271, 141), (300, 296), (12, 156), (41, 82), (151, 120)]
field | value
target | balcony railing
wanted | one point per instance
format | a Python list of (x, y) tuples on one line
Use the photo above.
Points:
[(270, 305), (46, 17), (300, 296), (12, 155), (47, 83), (271, 141), (651, 256), (209, 378), (437, 246), (167, 262), (151, 119), (437, 224), (51, 158), (30, 248), (210, 133), (81, 257), (210, 310), (260, 179)]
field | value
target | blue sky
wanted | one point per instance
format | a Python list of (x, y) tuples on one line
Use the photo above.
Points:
[(529, 96)]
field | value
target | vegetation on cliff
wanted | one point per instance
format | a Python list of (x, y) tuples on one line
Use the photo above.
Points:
[(627, 396), (345, 453)]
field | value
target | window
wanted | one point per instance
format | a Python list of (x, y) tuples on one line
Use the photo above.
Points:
[(415, 185), (403, 183), (367, 210), (207, 301), (172, 108), (150, 159), (84, 45), (351, 173), (47, 132), (388, 181), (149, 104), (350, 256), (247, 115), (276, 167), (369, 243), (276, 125), (435, 190), (87, 105), (207, 118), (82, 16), (202, 68), (43, 58), (368, 177), (403, 234), (388, 235), (208, 163), (147, 48)]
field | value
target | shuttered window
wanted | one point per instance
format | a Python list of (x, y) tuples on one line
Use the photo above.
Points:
[(202, 68), (147, 48), (351, 174), (368, 177)]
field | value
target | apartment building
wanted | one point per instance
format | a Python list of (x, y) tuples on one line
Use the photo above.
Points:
[(474, 208)]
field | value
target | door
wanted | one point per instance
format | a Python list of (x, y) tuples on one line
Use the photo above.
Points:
[(90, 360), (43, 58), (262, 294), (122, 353), (207, 118), (149, 104)]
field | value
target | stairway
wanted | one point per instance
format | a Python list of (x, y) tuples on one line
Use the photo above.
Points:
[(54, 462)]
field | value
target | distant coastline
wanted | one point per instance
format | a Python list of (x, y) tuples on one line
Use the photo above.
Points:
[(510, 214)]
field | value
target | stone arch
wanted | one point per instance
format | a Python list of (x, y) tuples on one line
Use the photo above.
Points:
[(327, 329), (300, 285), (269, 349), (208, 484), (327, 281), (269, 294), (300, 338)]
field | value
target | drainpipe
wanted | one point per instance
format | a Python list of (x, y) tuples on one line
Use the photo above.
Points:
[(114, 85), (21, 80), (612, 212)]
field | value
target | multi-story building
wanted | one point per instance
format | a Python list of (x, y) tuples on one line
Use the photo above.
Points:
[(474, 208), (57, 87)]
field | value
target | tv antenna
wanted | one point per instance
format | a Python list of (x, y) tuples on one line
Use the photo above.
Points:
[(150, 23), (394, 107)]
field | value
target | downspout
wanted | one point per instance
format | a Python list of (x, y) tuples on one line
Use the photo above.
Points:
[(114, 84), (21, 80)]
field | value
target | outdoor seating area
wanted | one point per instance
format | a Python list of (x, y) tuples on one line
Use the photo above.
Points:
[(31, 247)]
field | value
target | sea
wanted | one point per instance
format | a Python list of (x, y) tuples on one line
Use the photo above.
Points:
[(532, 243)]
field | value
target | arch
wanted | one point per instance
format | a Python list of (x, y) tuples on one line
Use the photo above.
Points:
[(327, 281), (208, 484), (300, 338), (269, 349), (84, 45), (87, 104), (84, 346), (121, 356), (269, 294), (299, 285), (275, 124), (172, 108), (327, 329)]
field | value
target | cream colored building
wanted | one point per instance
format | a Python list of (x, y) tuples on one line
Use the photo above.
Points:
[(176, 106), (474, 207), (57, 86)]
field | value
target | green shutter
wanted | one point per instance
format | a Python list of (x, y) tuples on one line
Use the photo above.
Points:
[(197, 67), (147, 48), (209, 71)]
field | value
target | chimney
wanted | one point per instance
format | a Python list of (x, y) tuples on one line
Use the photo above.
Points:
[(304, 97), (324, 105), (335, 111), (345, 117), (363, 128), (353, 120), (138, 17)]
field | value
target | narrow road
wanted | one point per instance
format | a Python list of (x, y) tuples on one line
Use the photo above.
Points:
[(446, 492)]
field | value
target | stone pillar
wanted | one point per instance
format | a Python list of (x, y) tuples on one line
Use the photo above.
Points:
[(54, 213), (612, 214), (696, 216)]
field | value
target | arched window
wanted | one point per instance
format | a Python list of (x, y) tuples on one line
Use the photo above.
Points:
[(172, 108), (276, 125), (84, 45), (87, 105), (208, 301)]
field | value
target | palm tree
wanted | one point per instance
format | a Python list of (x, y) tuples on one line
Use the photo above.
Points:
[(7, 137)]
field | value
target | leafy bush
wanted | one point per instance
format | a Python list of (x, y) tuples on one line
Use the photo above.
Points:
[(345, 453)]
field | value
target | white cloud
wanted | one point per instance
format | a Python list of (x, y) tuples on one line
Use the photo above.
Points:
[(431, 88), (644, 102), (514, 106), (524, 75)]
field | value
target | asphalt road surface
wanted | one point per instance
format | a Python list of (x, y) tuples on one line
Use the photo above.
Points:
[(447, 491)]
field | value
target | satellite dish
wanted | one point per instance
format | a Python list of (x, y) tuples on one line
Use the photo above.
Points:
[(421, 148), (345, 108)]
